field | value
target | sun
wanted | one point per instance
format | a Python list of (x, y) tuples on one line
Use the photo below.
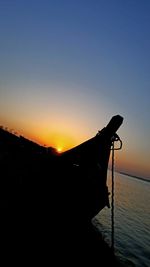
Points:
[(59, 149)]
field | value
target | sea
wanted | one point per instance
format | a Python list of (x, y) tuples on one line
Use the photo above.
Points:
[(131, 220)]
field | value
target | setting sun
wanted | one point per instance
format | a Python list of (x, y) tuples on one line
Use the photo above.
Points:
[(59, 149)]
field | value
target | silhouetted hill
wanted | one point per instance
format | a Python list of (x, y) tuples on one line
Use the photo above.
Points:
[(135, 176), (10, 141), (23, 163)]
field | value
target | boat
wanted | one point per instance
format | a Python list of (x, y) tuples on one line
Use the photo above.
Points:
[(74, 181), (49, 199)]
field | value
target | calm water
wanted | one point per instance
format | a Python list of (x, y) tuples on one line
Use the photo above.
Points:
[(132, 220)]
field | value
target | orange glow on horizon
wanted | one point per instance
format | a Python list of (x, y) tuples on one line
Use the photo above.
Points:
[(61, 141), (68, 137)]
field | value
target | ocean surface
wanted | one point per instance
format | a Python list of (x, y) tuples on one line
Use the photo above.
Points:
[(132, 220)]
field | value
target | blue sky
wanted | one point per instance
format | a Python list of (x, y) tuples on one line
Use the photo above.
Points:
[(68, 66)]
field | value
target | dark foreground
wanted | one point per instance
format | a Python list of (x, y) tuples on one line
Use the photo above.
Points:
[(32, 240)]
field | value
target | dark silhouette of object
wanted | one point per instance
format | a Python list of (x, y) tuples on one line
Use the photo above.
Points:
[(48, 199)]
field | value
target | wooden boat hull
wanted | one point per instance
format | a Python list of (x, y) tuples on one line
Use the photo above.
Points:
[(73, 183), (49, 199)]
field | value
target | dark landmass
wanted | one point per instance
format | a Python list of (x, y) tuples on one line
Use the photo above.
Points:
[(134, 176), (35, 224)]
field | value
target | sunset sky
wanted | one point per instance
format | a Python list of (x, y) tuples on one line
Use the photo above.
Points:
[(67, 67)]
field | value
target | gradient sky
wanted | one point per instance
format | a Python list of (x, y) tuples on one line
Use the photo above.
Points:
[(66, 67)]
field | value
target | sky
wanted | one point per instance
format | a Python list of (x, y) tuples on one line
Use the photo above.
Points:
[(67, 67)]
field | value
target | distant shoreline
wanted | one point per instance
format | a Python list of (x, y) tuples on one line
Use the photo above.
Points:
[(134, 176)]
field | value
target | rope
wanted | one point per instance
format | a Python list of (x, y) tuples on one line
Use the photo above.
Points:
[(113, 148), (112, 200)]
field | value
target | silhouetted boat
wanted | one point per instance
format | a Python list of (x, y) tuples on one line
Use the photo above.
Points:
[(50, 198), (73, 183)]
